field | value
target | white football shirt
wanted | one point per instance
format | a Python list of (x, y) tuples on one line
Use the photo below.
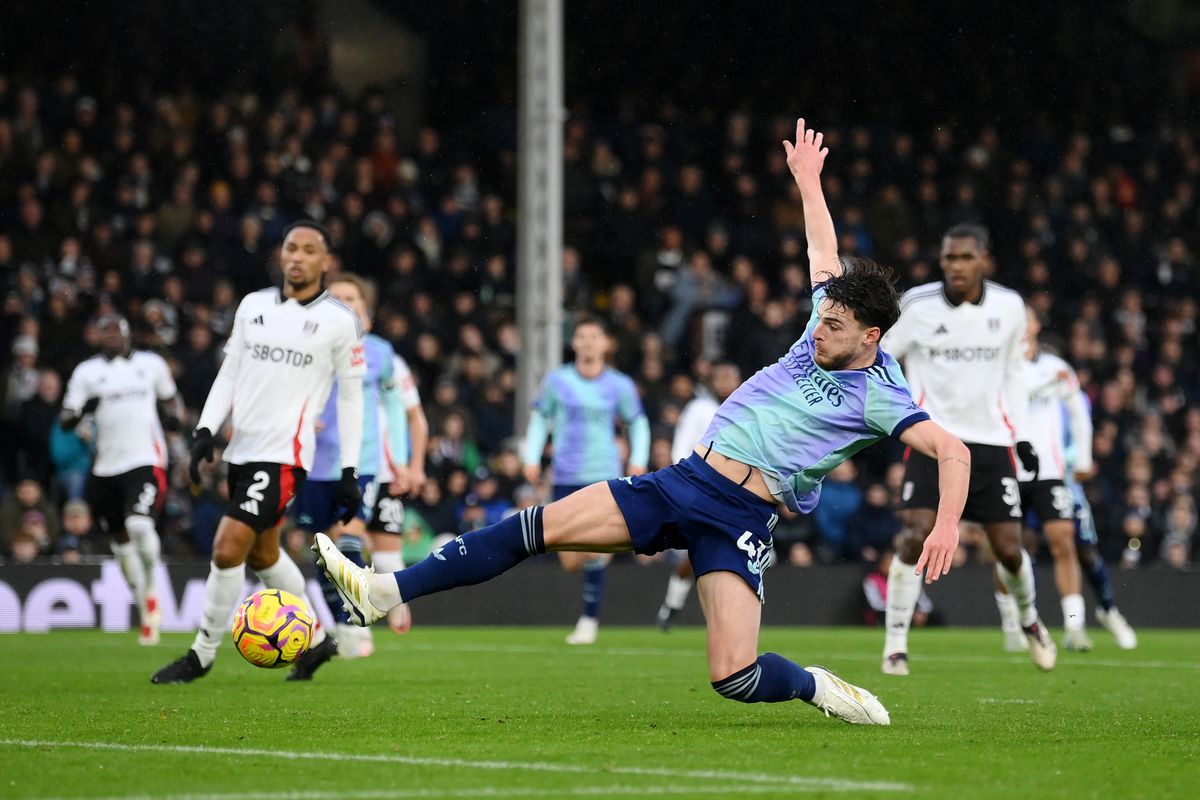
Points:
[(128, 432), (693, 422), (1053, 388), (403, 377), (280, 363), (965, 364)]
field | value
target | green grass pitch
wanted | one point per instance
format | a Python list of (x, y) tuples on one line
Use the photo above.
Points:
[(514, 712)]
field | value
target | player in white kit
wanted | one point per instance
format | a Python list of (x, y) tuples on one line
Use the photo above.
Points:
[(1052, 385), (122, 389), (287, 346), (962, 340)]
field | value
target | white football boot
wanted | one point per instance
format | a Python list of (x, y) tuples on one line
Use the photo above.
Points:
[(148, 633), (1015, 641), (586, 630), (895, 664), (1042, 650), (845, 701), (351, 581), (1077, 641), (400, 618), (1118, 627)]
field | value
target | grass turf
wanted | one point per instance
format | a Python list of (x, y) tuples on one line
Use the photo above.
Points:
[(513, 712)]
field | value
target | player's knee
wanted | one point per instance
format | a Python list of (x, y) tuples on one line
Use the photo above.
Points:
[(1009, 555), (736, 684), (226, 556), (139, 526), (1062, 547)]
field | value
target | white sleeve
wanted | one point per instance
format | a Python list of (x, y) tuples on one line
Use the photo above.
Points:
[(77, 391), (350, 362), (403, 377), (220, 396), (1080, 420), (1016, 392), (164, 384), (899, 338)]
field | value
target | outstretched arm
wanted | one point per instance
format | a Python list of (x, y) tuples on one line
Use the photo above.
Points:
[(806, 159), (954, 477)]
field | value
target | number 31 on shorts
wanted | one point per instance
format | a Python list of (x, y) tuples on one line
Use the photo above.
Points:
[(1011, 496)]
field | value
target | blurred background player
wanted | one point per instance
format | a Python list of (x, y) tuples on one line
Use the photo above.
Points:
[(581, 404), (774, 440), (401, 474), (962, 340), (316, 504), (1087, 541), (125, 391), (287, 346), (875, 593), (694, 420), (1052, 385)]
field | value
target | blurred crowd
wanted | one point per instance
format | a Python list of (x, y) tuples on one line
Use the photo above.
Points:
[(682, 226)]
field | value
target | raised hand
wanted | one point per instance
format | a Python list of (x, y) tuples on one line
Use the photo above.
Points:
[(806, 158)]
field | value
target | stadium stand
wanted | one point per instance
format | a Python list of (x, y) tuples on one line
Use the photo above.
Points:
[(166, 202)]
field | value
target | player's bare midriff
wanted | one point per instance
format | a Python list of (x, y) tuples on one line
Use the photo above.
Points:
[(736, 471)]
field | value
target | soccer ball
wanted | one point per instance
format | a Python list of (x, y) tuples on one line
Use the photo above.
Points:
[(272, 628)]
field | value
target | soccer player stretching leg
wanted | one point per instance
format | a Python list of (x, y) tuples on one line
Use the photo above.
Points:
[(583, 401), (963, 345), (833, 393), (126, 390), (287, 346)]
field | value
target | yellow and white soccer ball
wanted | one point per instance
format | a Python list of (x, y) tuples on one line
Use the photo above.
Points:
[(272, 628)]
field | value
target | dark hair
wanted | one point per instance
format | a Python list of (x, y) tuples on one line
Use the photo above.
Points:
[(868, 290), (970, 230), (312, 225), (590, 319)]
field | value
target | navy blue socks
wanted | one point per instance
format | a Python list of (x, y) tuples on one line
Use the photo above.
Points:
[(593, 586), (770, 679), (475, 557), (1096, 573)]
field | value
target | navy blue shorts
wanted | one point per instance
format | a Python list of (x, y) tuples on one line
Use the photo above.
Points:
[(561, 490), (315, 509), (691, 506)]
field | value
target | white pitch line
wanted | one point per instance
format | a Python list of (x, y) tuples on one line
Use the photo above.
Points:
[(1008, 701), (525, 649), (1082, 660), (619, 790), (829, 784)]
